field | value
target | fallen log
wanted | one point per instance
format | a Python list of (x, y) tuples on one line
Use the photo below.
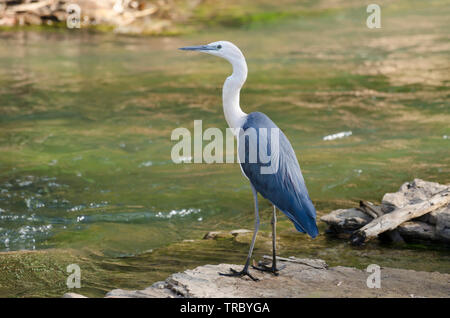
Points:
[(392, 220), (375, 212)]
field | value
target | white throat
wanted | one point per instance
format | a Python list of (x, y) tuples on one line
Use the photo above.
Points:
[(234, 115)]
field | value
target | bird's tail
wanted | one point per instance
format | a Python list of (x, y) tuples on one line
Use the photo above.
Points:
[(312, 231), (304, 217)]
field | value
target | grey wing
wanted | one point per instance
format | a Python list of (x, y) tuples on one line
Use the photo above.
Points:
[(284, 186)]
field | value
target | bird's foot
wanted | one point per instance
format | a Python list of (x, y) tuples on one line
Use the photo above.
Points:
[(235, 273), (264, 268)]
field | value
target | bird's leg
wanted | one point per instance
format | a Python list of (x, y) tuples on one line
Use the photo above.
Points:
[(244, 271), (263, 267)]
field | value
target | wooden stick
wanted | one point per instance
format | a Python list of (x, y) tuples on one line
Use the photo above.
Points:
[(391, 220), (315, 263), (368, 206), (367, 211), (375, 212)]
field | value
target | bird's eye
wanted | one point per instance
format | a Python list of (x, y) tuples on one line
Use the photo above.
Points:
[(219, 46)]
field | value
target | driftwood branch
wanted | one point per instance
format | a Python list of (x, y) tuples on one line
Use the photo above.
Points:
[(370, 209), (392, 220), (375, 212), (315, 263)]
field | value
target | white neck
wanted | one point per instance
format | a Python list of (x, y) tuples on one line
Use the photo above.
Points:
[(234, 115)]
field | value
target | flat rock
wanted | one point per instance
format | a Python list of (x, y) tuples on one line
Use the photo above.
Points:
[(300, 278), (213, 235), (240, 231)]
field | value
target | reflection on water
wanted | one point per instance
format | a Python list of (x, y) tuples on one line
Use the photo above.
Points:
[(85, 125), (44, 212)]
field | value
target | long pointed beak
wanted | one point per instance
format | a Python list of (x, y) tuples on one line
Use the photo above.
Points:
[(199, 48)]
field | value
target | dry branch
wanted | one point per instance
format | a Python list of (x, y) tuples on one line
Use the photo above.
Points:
[(370, 209), (392, 220)]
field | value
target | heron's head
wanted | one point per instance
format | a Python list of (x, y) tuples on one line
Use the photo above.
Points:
[(223, 49)]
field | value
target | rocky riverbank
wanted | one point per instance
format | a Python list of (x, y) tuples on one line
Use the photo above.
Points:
[(300, 278), (121, 16)]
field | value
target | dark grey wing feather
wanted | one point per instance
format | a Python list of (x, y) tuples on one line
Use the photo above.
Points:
[(286, 187)]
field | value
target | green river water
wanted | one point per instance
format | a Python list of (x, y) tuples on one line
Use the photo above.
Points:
[(86, 175)]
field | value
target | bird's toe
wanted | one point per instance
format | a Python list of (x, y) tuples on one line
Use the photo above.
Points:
[(264, 268), (235, 273)]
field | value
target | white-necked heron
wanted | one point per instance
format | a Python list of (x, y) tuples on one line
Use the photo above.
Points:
[(285, 188)]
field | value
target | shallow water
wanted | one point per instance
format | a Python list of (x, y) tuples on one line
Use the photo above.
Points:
[(85, 124)]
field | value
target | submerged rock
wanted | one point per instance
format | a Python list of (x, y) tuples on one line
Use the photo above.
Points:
[(346, 219), (217, 234), (240, 231), (223, 234)]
